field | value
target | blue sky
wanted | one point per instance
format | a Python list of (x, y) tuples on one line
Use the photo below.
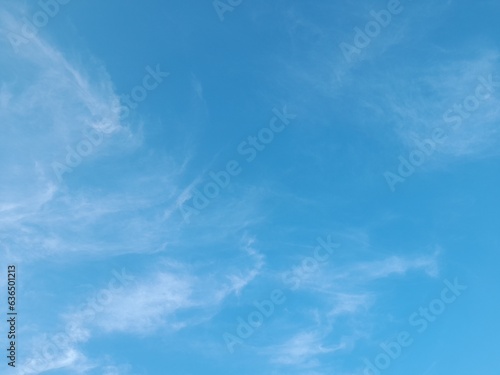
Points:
[(251, 187)]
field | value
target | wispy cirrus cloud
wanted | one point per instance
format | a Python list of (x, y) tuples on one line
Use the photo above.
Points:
[(169, 297), (416, 100), (345, 297), (302, 349), (49, 103)]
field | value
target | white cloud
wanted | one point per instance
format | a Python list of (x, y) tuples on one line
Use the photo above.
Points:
[(395, 265), (48, 102), (175, 298), (414, 100), (148, 305), (302, 349), (345, 296), (346, 303), (69, 359)]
